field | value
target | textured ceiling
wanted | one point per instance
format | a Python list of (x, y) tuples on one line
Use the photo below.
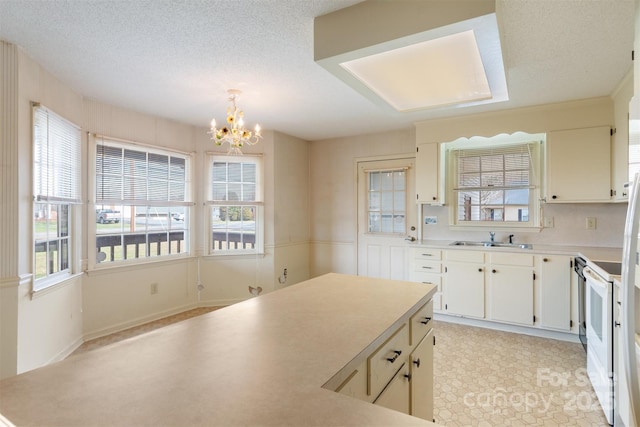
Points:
[(177, 58)]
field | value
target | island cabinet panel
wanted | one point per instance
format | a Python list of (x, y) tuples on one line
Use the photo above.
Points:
[(385, 361), (397, 392), (398, 374), (420, 323), (421, 371)]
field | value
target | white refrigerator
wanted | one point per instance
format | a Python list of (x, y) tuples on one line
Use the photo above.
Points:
[(627, 399)]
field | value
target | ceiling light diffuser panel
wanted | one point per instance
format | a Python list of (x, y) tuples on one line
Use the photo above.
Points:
[(447, 70)]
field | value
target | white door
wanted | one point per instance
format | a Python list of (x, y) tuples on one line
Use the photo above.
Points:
[(386, 217)]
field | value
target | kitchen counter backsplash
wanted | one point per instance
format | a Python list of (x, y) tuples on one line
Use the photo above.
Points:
[(568, 219)]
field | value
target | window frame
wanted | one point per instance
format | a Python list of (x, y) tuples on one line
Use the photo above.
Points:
[(57, 181), (535, 144), (258, 203), (393, 191), (135, 203)]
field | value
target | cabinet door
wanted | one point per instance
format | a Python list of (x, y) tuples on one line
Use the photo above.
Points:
[(463, 289), (396, 395), (421, 369), (511, 296), (428, 173), (555, 292), (579, 165)]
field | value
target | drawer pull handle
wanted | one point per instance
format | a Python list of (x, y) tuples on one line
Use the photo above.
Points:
[(427, 254), (417, 362), (428, 268), (395, 356), (426, 320), (408, 377), (617, 323)]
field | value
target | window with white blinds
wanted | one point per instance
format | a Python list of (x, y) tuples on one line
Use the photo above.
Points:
[(235, 204), (142, 198), (496, 184), (57, 147)]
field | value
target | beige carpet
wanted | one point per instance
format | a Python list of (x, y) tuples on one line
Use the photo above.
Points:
[(485, 377)]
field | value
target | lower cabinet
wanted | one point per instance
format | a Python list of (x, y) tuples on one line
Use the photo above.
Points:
[(398, 374), (463, 284), (555, 292), (421, 375), (510, 279)]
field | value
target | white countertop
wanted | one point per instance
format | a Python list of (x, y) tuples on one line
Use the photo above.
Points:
[(592, 253), (259, 362)]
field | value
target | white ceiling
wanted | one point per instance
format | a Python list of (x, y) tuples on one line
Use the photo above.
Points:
[(177, 58)]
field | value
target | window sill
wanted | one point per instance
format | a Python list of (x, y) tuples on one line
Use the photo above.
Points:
[(106, 268), (496, 227), (53, 284)]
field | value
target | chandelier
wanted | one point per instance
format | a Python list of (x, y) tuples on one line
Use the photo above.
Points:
[(234, 132)]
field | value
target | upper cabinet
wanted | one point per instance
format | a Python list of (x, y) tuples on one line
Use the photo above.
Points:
[(428, 174), (579, 165)]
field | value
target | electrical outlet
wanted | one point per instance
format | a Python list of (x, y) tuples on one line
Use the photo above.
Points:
[(154, 288), (548, 222), (591, 223)]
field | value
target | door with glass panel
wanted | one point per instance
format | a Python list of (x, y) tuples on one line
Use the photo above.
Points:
[(386, 216)]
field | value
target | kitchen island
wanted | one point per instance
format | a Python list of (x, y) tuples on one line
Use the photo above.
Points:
[(260, 362)]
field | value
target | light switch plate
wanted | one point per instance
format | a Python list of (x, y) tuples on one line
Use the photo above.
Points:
[(591, 223)]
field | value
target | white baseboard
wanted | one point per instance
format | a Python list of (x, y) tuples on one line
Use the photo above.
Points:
[(536, 332), (137, 322), (67, 351)]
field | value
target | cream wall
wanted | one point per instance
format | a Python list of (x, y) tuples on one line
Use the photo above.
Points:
[(36, 330), (333, 195)]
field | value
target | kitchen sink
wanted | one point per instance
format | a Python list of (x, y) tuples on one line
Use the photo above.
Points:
[(492, 244)]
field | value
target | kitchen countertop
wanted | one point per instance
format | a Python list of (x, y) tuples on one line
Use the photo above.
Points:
[(593, 253), (259, 362)]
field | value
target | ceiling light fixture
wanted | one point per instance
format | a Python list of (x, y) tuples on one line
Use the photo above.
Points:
[(234, 133)]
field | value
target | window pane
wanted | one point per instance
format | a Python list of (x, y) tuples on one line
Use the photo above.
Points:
[(374, 222), (399, 223), (493, 179), (386, 223), (374, 181), (386, 181), (233, 227), (386, 199), (399, 180), (492, 163), (374, 201)]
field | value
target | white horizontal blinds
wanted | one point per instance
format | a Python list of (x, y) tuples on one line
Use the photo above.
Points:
[(57, 158), (500, 168), (494, 184), (135, 175)]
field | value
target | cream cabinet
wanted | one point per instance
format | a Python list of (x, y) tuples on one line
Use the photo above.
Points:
[(429, 185), (579, 165), (510, 287), (421, 375), (398, 374), (426, 267), (555, 292), (464, 283)]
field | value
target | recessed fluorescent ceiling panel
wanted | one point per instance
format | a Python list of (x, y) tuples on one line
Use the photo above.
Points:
[(443, 71)]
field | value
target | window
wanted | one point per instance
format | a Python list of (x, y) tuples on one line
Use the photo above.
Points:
[(142, 201), (56, 189), (386, 201), (495, 185), (236, 206)]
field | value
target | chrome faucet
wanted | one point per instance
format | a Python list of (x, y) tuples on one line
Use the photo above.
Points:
[(492, 236)]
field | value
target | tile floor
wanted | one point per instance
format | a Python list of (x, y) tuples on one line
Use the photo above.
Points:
[(484, 377)]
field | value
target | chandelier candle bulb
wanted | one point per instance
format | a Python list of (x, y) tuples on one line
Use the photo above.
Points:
[(235, 134)]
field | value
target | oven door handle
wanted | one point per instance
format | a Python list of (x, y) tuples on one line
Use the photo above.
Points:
[(595, 278)]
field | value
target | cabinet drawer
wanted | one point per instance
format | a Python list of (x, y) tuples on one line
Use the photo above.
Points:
[(507, 258), (425, 277), (386, 360), (421, 322), (426, 253), (427, 266), (465, 256)]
